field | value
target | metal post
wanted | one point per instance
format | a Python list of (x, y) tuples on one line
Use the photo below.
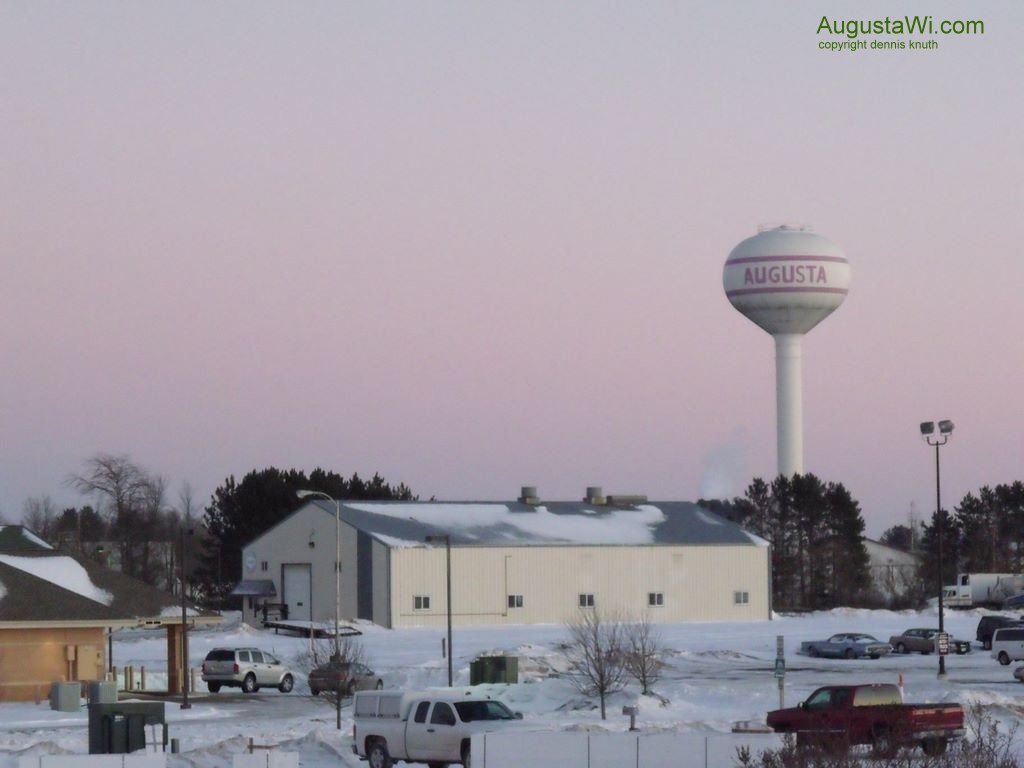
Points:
[(337, 587), (448, 562), (941, 523), (183, 676), (927, 431), (337, 603), (431, 539), (780, 654)]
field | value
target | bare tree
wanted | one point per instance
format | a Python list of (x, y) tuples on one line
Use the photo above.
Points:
[(187, 504), (596, 656), (39, 514), (642, 644), (123, 489), (321, 651)]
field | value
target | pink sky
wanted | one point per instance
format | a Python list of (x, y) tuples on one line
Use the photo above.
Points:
[(475, 246)]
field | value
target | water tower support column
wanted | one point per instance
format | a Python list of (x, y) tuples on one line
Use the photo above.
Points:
[(788, 405)]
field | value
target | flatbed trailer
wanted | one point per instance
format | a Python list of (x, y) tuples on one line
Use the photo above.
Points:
[(317, 629)]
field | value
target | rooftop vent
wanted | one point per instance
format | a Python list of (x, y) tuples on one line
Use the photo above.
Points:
[(627, 499), (528, 495), (595, 495)]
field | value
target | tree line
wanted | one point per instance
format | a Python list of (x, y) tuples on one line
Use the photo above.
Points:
[(983, 534), (816, 533), (131, 523)]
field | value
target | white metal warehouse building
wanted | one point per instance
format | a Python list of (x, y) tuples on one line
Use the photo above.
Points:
[(523, 562)]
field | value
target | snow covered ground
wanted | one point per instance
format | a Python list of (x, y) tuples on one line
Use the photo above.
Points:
[(715, 674)]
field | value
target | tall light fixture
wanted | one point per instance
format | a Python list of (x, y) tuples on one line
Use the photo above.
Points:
[(447, 539), (185, 677), (928, 433), (337, 585)]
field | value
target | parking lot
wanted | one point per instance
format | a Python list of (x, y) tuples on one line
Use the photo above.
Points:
[(713, 676)]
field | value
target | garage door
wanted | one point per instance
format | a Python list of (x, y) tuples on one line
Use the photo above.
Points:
[(297, 591)]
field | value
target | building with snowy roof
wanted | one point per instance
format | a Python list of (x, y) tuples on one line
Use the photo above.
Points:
[(522, 562), (57, 612)]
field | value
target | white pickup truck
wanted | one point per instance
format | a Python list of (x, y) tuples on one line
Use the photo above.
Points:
[(432, 727)]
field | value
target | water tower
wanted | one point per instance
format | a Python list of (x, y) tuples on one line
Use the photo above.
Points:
[(787, 280)]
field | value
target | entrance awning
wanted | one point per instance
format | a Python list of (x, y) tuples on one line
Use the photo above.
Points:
[(255, 588)]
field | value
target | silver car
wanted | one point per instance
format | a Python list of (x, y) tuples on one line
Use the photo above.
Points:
[(247, 668)]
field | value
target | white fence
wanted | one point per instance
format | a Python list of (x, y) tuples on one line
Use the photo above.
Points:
[(615, 750), (267, 759), (136, 760)]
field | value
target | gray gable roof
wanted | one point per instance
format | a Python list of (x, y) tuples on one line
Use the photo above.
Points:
[(18, 538), (408, 523), (26, 597)]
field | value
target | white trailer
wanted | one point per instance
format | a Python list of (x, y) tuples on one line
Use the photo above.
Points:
[(984, 589)]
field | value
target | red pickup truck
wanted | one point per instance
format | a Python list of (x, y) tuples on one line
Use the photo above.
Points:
[(843, 715)]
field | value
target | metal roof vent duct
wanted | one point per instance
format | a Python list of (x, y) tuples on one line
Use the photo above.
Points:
[(595, 495), (528, 495), (626, 499)]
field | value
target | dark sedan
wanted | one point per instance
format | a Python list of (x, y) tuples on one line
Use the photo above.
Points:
[(345, 676)]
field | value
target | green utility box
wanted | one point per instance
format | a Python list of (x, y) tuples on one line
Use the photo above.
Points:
[(117, 729), (494, 669)]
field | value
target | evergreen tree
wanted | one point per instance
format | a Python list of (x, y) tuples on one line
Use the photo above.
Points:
[(899, 537), (811, 536), (950, 552), (849, 557), (1011, 498), (816, 532)]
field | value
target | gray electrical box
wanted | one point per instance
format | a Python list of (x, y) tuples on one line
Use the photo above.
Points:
[(103, 692), (117, 729), (65, 697)]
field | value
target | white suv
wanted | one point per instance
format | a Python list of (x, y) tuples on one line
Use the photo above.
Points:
[(245, 668)]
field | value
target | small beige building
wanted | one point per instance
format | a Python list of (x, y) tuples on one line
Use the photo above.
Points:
[(522, 562), (57, 612)]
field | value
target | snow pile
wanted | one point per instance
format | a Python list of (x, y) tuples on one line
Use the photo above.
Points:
[(620, 526), (170, 611), (392, 541), (61, 571)]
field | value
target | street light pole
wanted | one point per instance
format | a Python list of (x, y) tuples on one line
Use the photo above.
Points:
[(185, 704), (928, 432), (337, 587), (448, 601)]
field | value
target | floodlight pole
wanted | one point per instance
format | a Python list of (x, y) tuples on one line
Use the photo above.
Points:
[(337, 589), (448, 568), (927, 431)]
